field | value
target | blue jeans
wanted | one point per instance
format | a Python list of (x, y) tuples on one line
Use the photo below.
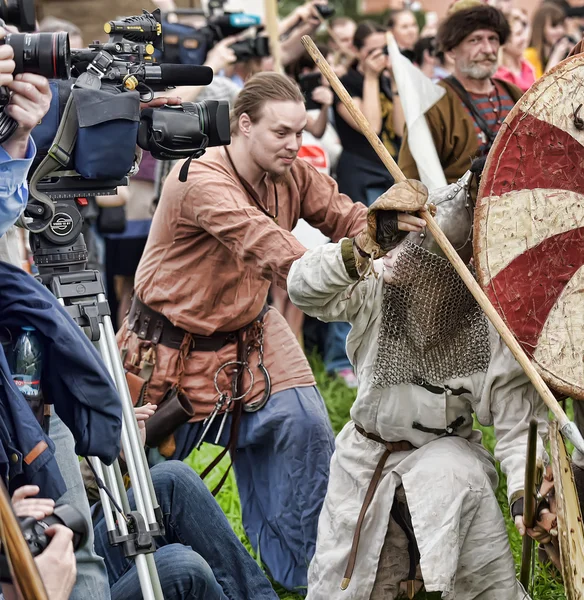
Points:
[(92, 579), (199, 556), (281, 465), (335, 352)]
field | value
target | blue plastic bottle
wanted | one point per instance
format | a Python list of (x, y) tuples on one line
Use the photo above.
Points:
[(27, 358)]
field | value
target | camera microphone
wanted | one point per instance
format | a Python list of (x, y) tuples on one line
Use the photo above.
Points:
[(175, 75)]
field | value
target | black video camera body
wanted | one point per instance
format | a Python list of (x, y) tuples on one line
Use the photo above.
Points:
[(186, 44), (88, 139)]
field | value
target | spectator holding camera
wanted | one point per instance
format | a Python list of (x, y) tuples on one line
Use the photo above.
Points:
[(30, 99), (56, 564), (550, 43)]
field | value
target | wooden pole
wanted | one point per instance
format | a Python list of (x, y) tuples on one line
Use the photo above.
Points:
[(20, 559), (568, 428), (271, 7), (530, 490)]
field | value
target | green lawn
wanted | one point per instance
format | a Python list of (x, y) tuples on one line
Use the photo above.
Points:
[(338, 398)]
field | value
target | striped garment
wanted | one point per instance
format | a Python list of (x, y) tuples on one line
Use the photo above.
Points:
[(493, 109)]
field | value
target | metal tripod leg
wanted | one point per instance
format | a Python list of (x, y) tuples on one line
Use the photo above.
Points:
[(135, 458), (133, 531)]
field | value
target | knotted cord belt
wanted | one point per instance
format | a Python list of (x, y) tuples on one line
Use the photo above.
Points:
[(390, 447)]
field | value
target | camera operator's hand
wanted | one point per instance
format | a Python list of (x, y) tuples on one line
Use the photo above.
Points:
[(25, 506), (221, 55), (375, 63), (30, 102), (57, 565), (161, 101), (307, 12), (7, 64)]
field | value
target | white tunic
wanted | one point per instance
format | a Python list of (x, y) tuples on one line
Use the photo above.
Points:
[(449, 481)]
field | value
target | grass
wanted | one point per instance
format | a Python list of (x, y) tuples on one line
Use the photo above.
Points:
[(547, 585)]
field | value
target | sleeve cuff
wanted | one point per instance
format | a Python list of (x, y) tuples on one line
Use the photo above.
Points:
[(518, 495), (15, 170), (348, 257)]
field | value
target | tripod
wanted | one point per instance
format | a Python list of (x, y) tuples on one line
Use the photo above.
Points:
[(60, 254)]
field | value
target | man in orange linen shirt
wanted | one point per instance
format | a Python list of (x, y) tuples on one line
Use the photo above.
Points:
[(217, 243)]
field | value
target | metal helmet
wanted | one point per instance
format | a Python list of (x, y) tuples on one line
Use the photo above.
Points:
[(454, 215)]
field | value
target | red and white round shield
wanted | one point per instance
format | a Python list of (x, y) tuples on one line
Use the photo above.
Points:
[(529, 225)]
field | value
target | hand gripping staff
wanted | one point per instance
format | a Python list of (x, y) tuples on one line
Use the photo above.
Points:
[(567, 427)]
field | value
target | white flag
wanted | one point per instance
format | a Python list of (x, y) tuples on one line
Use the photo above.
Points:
[(418, 94)]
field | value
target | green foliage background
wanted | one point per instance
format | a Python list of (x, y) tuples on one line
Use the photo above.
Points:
[(547, 584)]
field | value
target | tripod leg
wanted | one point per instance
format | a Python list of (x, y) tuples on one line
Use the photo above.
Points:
[(131, 441)]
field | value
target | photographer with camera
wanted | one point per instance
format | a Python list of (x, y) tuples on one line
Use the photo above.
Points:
[(30, 98), (56, 563)]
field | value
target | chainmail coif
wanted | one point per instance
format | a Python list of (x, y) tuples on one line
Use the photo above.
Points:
[(432, 328)]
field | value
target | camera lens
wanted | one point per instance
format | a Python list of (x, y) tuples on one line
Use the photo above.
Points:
[(19, 13), (215, 122), (46, 54)]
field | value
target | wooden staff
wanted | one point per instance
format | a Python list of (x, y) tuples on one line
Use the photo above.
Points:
[(16, 550), (271, 8), (530, 490), (568, 429)]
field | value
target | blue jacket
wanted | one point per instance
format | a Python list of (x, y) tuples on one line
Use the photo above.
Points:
[(74, 377), (26, 453)]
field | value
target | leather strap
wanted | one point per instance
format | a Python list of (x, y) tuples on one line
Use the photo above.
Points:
[(464, 96), (390, 447), (151, 325)]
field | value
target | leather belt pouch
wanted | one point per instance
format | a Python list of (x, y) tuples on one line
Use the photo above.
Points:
[(174, 410)]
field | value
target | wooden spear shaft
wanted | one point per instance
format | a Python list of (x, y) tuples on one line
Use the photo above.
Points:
[(271, 8), (530, 490), (568, 429)]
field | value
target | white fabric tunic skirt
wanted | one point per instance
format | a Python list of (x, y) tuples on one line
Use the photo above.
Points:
[(449, 481)]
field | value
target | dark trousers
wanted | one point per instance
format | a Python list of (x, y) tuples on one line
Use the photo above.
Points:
[(281, 466), (200, 557)]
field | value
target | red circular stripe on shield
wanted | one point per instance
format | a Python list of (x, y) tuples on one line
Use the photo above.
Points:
[(529, 226)]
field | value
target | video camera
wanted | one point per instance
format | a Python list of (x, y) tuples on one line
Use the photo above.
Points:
[(33, 531), (187, 44), (86, 143)]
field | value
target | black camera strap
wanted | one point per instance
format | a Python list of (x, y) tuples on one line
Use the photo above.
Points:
[(58, 157), (465, 98)]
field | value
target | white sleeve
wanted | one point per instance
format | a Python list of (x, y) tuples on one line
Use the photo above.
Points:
[(322, 284), (508, 401)]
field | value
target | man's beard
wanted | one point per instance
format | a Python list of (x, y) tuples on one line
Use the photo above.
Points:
[(474, 70), (280, 177)]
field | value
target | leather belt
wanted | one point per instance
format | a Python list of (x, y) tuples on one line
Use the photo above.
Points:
[(151, 325), (390, 447), (401, 446)]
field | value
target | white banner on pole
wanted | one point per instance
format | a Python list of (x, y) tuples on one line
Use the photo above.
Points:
[(418, 94)]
